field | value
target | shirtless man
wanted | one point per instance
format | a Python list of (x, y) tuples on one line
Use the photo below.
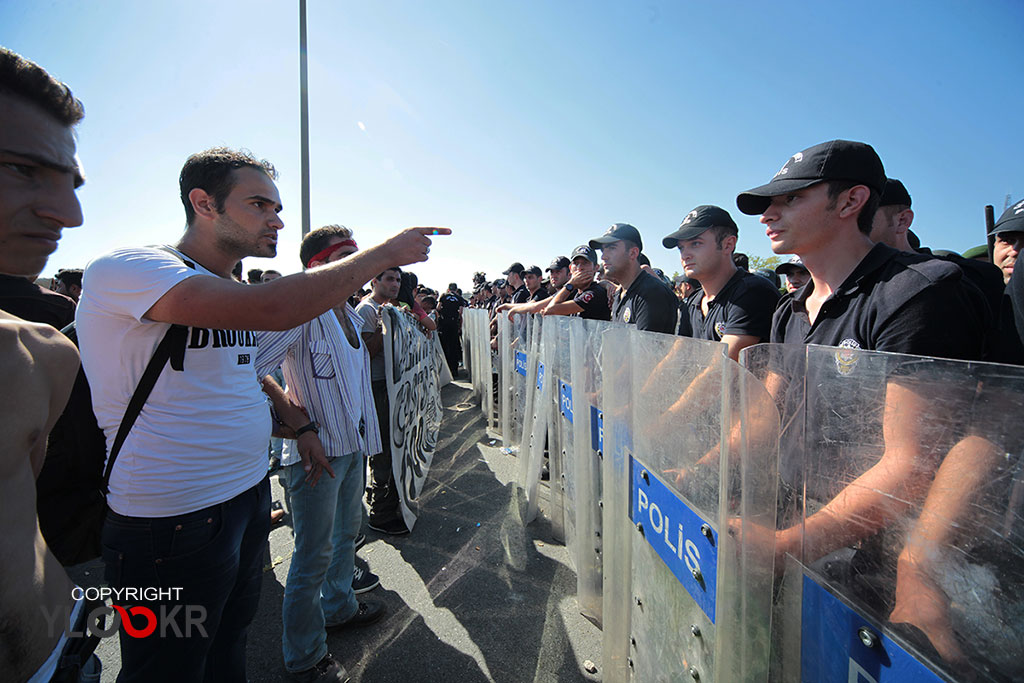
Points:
[(38, 178)]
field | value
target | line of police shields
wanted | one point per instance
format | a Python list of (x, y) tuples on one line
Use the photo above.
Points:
[(810, 514)]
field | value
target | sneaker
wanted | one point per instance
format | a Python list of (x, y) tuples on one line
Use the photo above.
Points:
[(395, 527), (368, 613), (327, 670), (363, 580), (360, 541)]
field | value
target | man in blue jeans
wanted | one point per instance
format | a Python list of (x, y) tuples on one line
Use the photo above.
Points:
[(327, 371), (188, 495)]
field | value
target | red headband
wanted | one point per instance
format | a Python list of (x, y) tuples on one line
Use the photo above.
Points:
[(324, 254)]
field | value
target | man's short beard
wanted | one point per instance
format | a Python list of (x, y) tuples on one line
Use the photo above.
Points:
[(233, 239)]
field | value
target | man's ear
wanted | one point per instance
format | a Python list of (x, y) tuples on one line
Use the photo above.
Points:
[(903, 220), (202, 203), (856, 197), (729, 243)]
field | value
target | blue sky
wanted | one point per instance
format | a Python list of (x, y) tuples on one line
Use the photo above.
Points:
[(528, 127)]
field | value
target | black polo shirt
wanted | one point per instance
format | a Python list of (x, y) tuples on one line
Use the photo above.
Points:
[(521, 295), (448, 309), (743, 307), (594, 302), (892, 301), (539, 295), (648, 303)]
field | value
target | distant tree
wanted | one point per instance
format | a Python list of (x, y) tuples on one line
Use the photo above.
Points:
[(769, 262)]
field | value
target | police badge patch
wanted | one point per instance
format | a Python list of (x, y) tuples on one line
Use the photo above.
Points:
[(720, 328), (846, 356), (626, 315)]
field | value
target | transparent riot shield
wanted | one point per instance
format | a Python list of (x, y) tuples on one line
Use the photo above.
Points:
[(519, 348), (484, 363), (683, 601), (582, 399), (505, 382), (560, 434), (899, 538), (535, 429), (467, 343)]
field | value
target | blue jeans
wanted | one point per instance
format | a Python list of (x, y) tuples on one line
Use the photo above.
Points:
[(215, 555), (318, 592)]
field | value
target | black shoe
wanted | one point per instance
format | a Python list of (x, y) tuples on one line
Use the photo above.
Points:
[(545, 473), (360, 541), (363, 580), (368, 613), (395, 527), (327, 670)]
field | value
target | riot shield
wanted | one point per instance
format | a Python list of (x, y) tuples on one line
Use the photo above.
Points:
[(682, 601), (519, 348), (582, 400), (484, 363), (467, 342), (560, 436), (505, 381), (899, 539), (535, 424)]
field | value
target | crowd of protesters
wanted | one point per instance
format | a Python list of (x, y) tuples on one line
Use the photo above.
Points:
[(176, 330)]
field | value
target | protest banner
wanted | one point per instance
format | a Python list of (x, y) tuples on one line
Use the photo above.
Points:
[(413, 364)]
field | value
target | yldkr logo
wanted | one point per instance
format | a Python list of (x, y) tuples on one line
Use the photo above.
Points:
[(177, 621)]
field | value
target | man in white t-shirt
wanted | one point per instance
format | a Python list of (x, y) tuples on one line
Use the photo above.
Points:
[(385, 512), (189, 498), (327, 371)]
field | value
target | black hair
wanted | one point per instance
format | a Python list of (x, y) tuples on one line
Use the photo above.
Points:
[(213, 171), (71, 277), (317, 240), (24, 78), (867, 212)]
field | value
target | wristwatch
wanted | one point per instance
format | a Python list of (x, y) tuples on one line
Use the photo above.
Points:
[(313, 426), (569, 288)]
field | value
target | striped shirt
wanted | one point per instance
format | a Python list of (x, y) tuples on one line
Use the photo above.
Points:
[(328, 378)]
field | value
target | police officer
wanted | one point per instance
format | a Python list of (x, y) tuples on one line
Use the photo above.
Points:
[(641, 299), (891, 226), (532, 278), (1007, 237), (796, 275), (733, 306), (559, 270), (515, 285), (820, 206), (449, 326), (581, 295)]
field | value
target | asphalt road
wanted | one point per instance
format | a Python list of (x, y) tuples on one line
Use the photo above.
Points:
[(472, 594)]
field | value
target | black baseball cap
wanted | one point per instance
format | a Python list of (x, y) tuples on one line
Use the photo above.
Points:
[(586, 252), (794, 263), (516, 268), (534, 270), (559, 263), (619, 231), (697, 221), (498, 283), (833, 160), (1012, 220), (894, 194)]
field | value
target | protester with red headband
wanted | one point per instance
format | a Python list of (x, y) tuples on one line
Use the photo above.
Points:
[(327, 370)]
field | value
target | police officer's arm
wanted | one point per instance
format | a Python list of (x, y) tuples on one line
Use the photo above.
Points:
[(564, 308), (964, 473), (885, 491), (311, 450), (203, 301), (738, 342)]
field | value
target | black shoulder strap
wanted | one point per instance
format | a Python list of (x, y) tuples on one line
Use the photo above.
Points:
[(171, 347)]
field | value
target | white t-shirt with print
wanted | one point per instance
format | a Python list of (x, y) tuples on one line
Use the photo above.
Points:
[(201, 438)]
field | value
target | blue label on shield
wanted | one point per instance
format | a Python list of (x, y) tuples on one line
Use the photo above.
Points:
[(596, 429), (521, 363), (831, 648), (540, 376), (675, 532), (565, 400)]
